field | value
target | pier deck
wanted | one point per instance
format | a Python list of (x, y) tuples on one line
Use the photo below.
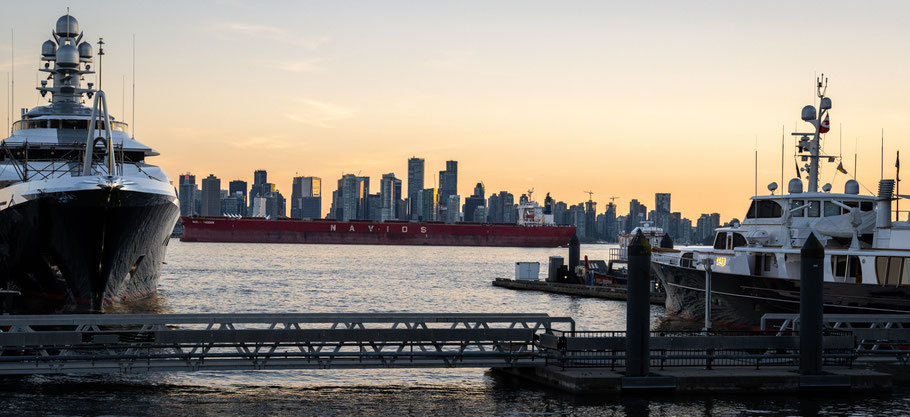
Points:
[(615, 292)]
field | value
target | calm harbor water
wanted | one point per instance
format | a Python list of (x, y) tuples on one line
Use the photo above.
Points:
[(224, 278)]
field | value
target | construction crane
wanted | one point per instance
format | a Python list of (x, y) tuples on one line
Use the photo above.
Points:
[(590, 195), (613, 198)]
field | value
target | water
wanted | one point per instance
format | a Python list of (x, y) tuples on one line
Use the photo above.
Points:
[(224, 278)]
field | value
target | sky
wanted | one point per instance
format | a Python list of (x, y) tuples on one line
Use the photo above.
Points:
[(624, 99)]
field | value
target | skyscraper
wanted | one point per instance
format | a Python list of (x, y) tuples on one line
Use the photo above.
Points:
[(471, 203), (238, 187), (211, 196), (415, 186), (448, 180), (306, 199), (428, 204), (260, 179), (187, 196), (390, 196)]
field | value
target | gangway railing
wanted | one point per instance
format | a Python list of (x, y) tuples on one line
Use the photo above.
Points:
[(875, 334), (193, 342)]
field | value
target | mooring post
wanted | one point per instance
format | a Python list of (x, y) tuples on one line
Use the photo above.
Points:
[(638, 307), (811, 309), (707, 263), (574, 254)]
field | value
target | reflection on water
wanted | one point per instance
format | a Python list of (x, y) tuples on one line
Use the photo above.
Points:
[(223, 278)]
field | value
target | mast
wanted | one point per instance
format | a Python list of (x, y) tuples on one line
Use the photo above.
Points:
[(813, 146)]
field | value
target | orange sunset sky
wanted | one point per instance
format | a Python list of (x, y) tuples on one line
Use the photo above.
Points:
[(623, 99)]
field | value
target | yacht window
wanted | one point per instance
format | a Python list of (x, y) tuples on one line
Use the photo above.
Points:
[(888, 270), (764, 209), (894, 270), (846, 268), (720, 241), (865, 206), (832, 209), (738, 240), (814, 208), (797, 203)]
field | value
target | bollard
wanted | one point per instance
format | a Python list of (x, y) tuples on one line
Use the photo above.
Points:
[(811, 309), (574, 253), (708, 263), (638, 307)]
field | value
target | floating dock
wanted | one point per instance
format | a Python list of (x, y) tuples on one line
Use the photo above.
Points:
[(613, 292), (734, 380)]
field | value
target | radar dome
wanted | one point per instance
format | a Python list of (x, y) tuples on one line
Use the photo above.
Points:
[(85, 50), (851, 187), (795, 186), (48, 48), (67, 56), (67, 26)]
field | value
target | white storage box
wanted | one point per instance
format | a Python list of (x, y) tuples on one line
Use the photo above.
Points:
[(527, 271)]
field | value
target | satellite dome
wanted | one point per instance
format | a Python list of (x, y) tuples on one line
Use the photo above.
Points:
[(795, 186), (85, 50), (851, 187), (67, 26), (48, 48), (67, 56)]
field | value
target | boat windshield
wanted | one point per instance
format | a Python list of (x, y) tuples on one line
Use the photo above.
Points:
[(764, 209), (66, 124)]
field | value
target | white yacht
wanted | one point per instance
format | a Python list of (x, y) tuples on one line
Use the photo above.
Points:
[(80, 226), (756, 264)]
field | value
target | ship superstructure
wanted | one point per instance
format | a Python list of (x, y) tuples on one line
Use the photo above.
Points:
[(84, 219), (756, 263)]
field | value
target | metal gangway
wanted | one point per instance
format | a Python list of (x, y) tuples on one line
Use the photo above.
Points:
[(876, 335), (140, 343)]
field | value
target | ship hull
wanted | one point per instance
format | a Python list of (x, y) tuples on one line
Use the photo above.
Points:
[(219, 229), (77, 251), (742, 300)]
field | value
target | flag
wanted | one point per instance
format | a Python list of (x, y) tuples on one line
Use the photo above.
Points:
[(796, 164), (897, 164), (826, 125), (840, 167)]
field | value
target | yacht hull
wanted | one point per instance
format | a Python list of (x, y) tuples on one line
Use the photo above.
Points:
[(77, 251), (742, 300)]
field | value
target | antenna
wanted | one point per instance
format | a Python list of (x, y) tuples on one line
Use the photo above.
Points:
[(100, 55), (133, 105), (12, 70), (530, 194), (883, 153), (756, 165), (782, 156)]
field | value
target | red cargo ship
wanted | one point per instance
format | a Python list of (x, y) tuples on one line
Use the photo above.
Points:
[(258, 230)]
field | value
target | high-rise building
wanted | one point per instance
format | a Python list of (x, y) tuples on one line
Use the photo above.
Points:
[(187, 196), (452, 203), (211, 196), (239, 187), (471, 203), (662, 211), (590, 219), (509, 210), (448, 180), (415, 186), (610, 232), (390, 197), (260, 179), (232, 205), (637, 213), (428, 201), (306, 198)]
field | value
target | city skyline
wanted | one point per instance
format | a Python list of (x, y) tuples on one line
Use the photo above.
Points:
[(562, 99), (353, 200)]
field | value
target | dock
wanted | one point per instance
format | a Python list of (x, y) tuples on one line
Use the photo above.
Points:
[(611, 292)]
